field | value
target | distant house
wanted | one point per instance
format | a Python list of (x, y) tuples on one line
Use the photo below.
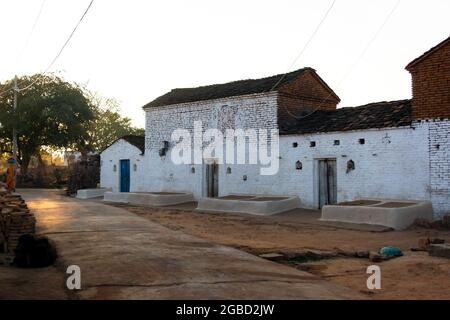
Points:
[(122, 163), (396, 149)]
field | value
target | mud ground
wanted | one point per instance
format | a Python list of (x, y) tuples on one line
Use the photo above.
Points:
[(416, 275)]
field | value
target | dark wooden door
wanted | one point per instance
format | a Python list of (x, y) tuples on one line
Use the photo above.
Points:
[(212, 180), (327, 182)]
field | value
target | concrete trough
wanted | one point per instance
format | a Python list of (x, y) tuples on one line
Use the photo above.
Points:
[(252, 204), (396, 214), (152, 199), (91, 193)]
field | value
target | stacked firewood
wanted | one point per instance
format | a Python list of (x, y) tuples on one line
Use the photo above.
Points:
[(15, 220)]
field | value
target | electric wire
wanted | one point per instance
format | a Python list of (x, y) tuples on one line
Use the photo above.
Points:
[(306, 44), (27, 42), (62, 48), (349, 71)]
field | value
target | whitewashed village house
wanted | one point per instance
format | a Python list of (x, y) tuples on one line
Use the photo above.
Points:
[(394, 150), (119, 164)]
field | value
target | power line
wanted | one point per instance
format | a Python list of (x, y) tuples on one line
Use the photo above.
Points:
[(19, 58), (363, 53), (16, 89), (59, 53), (306, 44), (63, 47), (27, 41)]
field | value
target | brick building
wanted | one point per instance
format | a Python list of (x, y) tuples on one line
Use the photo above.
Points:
[(397, 150), (431, 82), (431, 109)]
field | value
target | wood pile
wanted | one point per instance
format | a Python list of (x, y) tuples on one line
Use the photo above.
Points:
[(15, 220)]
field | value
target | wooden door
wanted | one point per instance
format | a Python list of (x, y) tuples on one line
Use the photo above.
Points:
[(212, 180), (327, 182)]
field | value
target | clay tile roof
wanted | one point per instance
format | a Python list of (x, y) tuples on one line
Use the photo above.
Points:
[(436, 47), (137, 141), (370, 116), (217, 91)]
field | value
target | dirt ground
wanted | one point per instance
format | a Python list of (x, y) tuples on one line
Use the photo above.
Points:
[(416, 275), (124, 256), (40, 284)]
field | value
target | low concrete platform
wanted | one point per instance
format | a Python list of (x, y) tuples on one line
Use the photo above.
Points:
[(91, 193), (152, 199), (251, 204), (396, 214)]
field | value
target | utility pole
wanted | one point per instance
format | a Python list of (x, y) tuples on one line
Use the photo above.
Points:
[(14, 146)]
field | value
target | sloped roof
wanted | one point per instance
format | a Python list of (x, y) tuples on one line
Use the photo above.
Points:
[(370, 116), (436, 47), (137, 141), (230, 89)]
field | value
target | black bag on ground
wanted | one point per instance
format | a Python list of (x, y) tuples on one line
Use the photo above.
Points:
[(34, 252)]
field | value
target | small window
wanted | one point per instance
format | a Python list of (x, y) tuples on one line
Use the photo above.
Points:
[(337, 142), (135, 167), (312, 144), (192, 170), (362, 141), (295, 145), (228, 170), (298, 165), (115, 168), (244, 177)]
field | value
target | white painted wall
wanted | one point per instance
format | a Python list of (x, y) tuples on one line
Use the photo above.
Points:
[(402, 163), (251, 111), (121, 150), (393, 163), (439, 151)]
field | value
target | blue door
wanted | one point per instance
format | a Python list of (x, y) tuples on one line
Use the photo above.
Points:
[(124, 175)]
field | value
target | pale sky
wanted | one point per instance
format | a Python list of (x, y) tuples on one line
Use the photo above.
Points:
[(137, 50)]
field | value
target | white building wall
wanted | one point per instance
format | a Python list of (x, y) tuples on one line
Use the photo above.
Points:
[(393, 163), (398, 163), (439, 146), (110, 176), (251, 111)]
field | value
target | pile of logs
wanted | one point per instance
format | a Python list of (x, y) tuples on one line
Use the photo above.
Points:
[(15, 220)]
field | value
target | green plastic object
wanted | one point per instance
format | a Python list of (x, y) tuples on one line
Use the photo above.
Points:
[(391, 252)]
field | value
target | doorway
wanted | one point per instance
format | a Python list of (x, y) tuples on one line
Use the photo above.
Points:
[(327, 182), (212, 180), (125, 175)]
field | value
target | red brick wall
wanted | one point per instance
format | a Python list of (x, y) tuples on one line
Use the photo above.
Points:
[(431, 85), (304, 94)]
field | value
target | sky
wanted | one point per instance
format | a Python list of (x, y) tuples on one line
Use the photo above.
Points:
[(137, 50)]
